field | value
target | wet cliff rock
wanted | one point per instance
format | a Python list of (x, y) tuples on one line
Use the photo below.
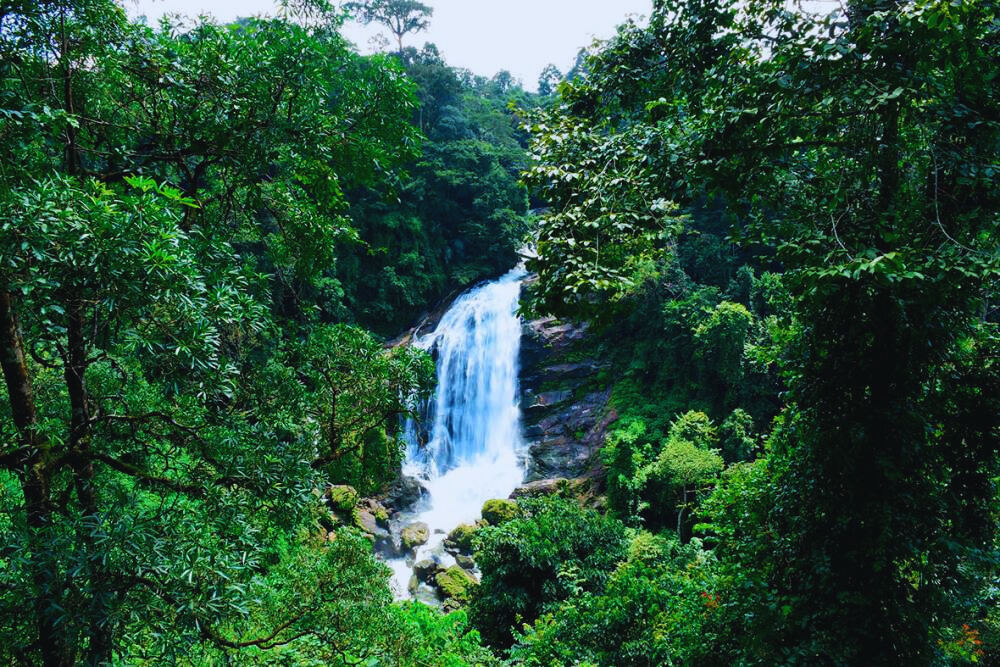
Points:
[(564, 401)]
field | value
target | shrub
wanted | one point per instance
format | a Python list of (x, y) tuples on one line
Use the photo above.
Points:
[(554, 550)]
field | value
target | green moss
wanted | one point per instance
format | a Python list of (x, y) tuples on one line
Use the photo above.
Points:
[(342, 498), (454, 583), (415, 534), (499, 511), (461, 537)]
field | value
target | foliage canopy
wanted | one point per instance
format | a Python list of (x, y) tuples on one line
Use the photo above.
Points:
[(857, 153)]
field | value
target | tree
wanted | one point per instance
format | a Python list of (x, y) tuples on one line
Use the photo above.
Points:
[(360, 393), (502, 82), (736, 437), (399, 16), (719, 344), (548, 79), (458, 216), (657, 481)]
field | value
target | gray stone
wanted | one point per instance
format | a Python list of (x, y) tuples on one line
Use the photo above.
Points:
[(367, 521), (414, 535), (542, 487), (425, 570), (404, 493), (465, 562), (376, 509)]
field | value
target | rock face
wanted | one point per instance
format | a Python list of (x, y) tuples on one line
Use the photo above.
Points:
[(563, 402)]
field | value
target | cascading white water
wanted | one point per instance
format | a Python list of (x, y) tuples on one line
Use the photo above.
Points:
[(474, 444)]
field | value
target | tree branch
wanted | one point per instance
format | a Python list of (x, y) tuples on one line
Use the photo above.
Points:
[(142, 475), (210, 634)]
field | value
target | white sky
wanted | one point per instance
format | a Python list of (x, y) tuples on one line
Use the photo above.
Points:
[(485, 36)]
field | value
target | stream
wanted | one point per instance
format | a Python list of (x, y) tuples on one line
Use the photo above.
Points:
[(469, 448)]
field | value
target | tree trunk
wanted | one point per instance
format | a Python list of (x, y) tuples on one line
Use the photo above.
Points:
[(33, 467), (74, 371), (15, 372)]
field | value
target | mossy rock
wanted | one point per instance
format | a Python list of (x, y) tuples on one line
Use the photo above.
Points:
[(370, 511), (499, 511), (465, 562), (460, 539), (367, 520), (544, 487), (414, 535), (342, 498), (454, 583), (450, 605), (425, 570)]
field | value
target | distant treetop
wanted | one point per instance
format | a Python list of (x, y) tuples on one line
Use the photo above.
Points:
[(400, 16)]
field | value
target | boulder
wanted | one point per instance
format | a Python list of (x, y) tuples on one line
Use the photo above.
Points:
[(375, 510), (414, 535), (454, 584), (371, 517), (542, 487), (465, 562), (380, 511), (459, 540), (369, 521), (450, 605), (404, 493), (342, 498), (499, 511), (426, 570)]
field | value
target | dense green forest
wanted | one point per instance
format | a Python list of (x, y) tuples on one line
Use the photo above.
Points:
[(787, 226), (780, 229), (196, 243)]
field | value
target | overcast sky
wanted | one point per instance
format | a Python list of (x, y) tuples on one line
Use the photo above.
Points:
[(485, 36)]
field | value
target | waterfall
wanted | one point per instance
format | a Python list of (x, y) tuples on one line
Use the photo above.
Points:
[(469, 448)]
